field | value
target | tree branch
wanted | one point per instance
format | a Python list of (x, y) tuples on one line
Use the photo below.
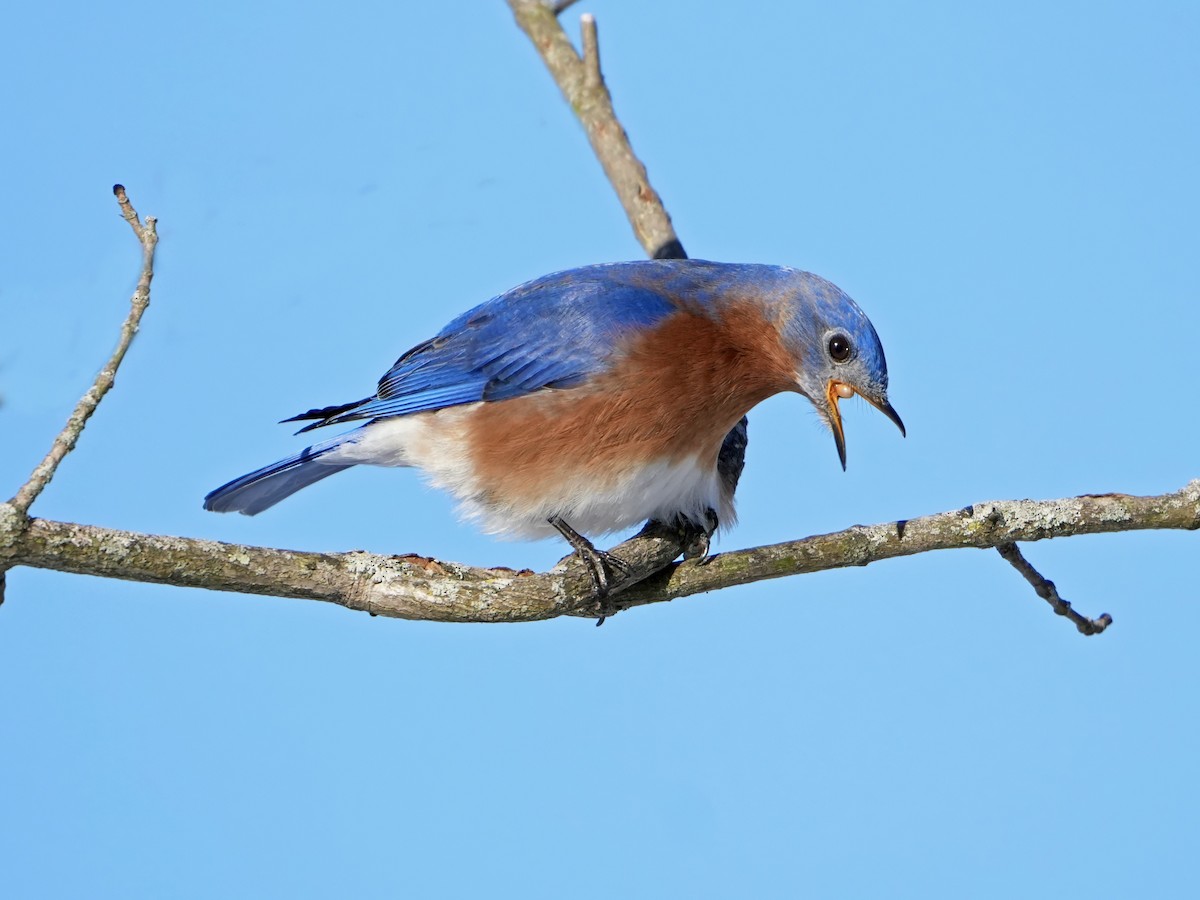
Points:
[(413, 587), (147, 235)]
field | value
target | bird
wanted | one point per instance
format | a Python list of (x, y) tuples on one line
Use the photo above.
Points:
[(593, 399)]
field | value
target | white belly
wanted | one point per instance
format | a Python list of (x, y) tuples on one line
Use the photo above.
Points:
[(592, 503)]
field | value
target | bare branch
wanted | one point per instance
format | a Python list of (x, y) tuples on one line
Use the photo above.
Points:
[(414, 587), (1048, 592), (590, 100), (67, 438), (982, 525), (409, 587)]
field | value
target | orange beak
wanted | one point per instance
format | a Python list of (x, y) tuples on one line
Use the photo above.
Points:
[(839, 390)]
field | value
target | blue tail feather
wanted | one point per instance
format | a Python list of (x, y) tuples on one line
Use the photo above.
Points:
[(262, 489)]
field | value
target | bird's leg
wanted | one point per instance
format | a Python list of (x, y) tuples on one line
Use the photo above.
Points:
[(600, 565)]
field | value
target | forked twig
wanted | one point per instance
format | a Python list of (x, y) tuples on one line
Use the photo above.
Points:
[(581, 84)]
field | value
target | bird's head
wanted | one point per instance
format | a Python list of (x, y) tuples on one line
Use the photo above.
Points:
[(836, 350)]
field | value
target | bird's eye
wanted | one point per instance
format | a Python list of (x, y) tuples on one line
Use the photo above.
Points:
[(839, 348)]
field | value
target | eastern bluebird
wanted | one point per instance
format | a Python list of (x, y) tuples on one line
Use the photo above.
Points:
[(591, 400)]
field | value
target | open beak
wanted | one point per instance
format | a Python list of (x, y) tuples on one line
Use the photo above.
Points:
[(838, 390)]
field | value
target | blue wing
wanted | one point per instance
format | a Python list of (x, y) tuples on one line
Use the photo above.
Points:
[(554, 332)]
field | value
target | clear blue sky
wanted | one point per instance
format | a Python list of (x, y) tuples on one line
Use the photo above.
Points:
[(1011, 192)]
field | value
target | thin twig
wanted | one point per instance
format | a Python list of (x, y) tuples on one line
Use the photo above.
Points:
[(591, 52), (590, 100), (65, 442), (128, 213), (1048, 592), (562, 6)]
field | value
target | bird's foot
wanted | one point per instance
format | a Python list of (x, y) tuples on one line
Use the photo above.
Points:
[(604, 568)]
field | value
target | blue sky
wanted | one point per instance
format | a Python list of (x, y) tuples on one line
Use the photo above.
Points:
[(1009, 191)]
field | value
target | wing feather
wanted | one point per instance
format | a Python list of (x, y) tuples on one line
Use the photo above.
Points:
[(554, 332)]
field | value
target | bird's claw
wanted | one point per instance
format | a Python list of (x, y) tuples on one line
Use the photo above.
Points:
[(700, 537), (604, 568)]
